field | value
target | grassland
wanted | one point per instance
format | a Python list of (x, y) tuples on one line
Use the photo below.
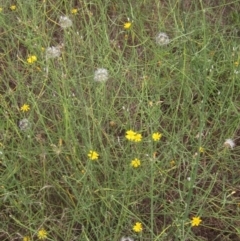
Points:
[(54, 112)]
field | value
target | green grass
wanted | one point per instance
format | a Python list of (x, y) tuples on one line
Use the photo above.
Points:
[(188, 87)]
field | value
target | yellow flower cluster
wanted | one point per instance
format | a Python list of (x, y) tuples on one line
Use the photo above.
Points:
[(31, 59), (133, 136)]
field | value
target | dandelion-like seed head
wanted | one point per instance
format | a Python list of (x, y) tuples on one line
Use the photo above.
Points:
[(42, 234), (162, 39), (53, 52), (229, 143), (65, 22), (137, 227), (126, 239), (24, 124), (101, 75)]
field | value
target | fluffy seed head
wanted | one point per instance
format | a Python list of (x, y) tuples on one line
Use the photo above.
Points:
[(24, 124), (53, 52), (65, 22), (229, 143), (126, 239), (162, 39), (101, 75)]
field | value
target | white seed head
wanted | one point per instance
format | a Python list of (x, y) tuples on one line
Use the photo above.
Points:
[(101, 75), (53, 52), (229, 143), (65, 22), (24, 124), (126, 239), (162, 39)]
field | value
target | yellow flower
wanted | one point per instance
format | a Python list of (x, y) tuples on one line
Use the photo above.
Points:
[(74, 11), (201, 149), (127, 25), (138, 137), (31, 59), (172, 163), (135, 163), (137, 227), (1, 10), (133, 136), (236, 63), (13, 7), (195, 221), (25, 108), (93, 155), (130, 135), (26, 238), (156, 136), (42, 234)]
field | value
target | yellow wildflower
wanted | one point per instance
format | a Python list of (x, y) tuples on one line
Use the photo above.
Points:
[(74, 11), (130, 135), (135, 163), (172, 163), (137, 227), (13, 7), (156, 136), (195, 221), (93, 155), (236, 63), (42, 234), (31, 59), (25, 108), (201, 149), (26, 238), (1, 10), (133, 136), (127, 25), (138, 137)]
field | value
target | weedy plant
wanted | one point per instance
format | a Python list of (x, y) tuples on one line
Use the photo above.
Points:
[(120, 120)]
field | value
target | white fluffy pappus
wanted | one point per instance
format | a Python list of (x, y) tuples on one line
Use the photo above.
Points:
[(126, 239), (65, 22), (53, 52), (162, 39), (101, 75), (229, 143)]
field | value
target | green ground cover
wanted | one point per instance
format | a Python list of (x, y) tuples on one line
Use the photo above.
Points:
[(114, 120)]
